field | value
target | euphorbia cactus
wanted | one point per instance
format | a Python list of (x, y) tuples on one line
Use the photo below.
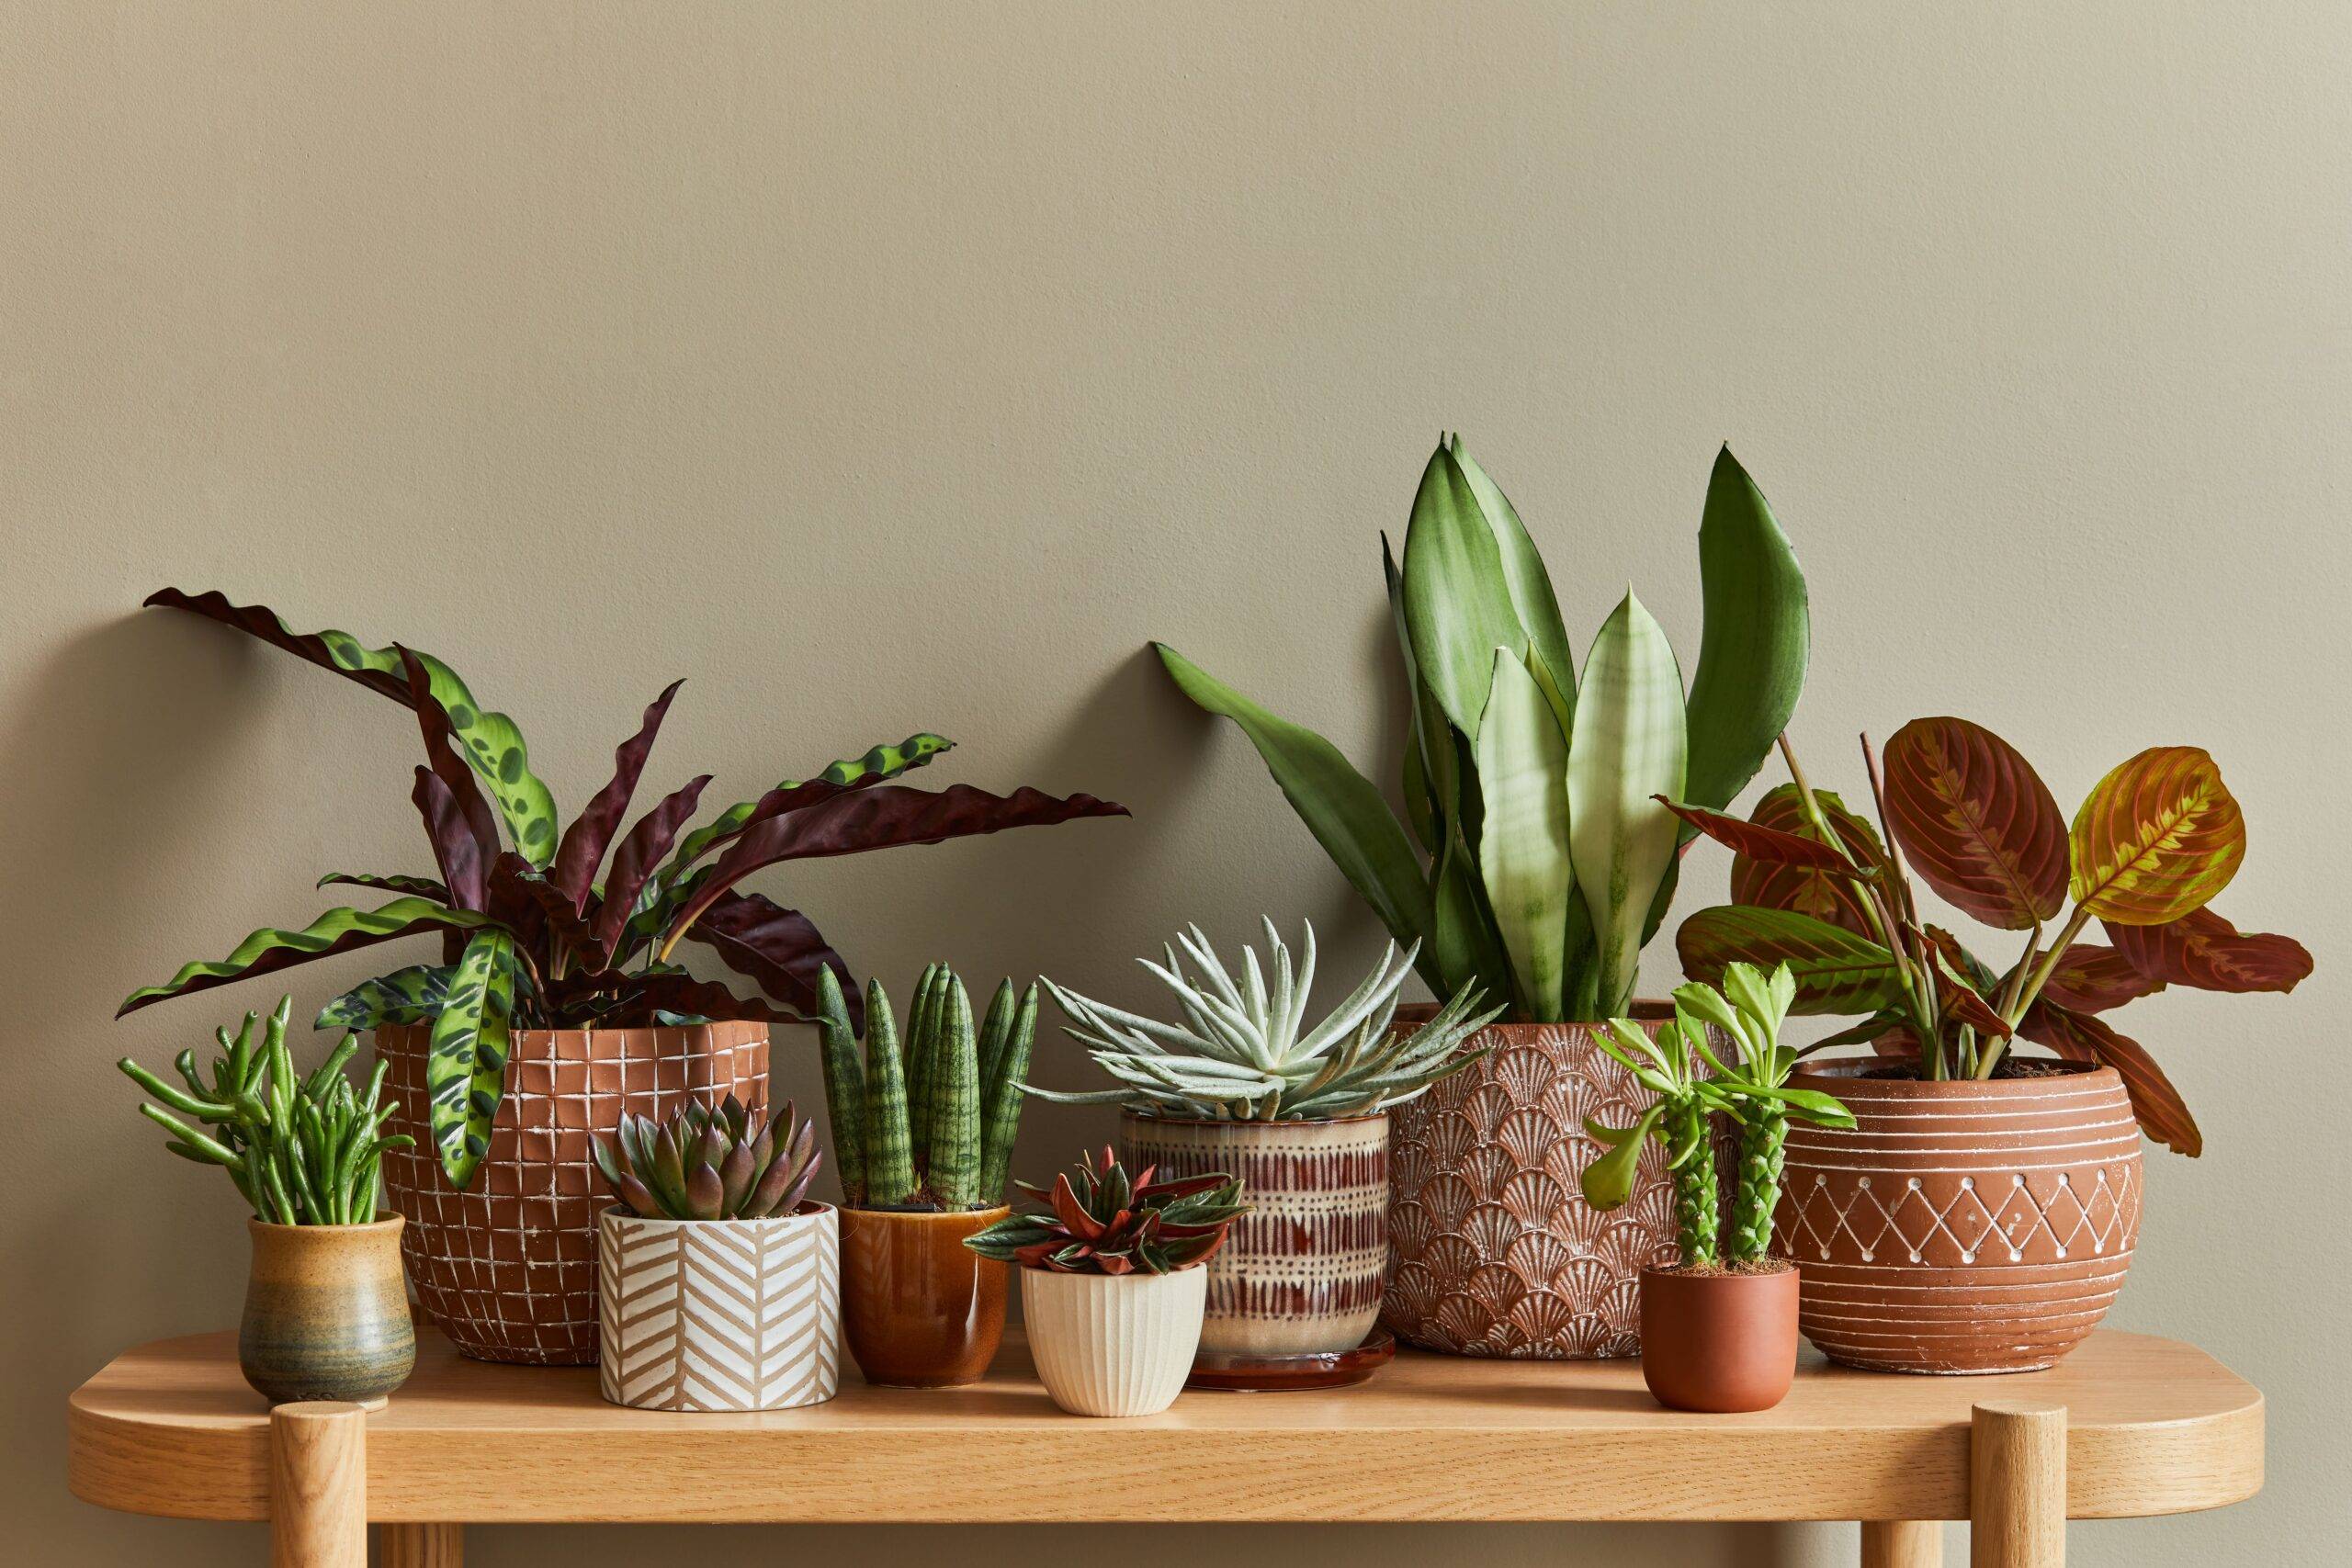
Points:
[(1105, 1222), (705, 1164)]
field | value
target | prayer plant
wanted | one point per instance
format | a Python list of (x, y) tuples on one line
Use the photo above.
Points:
[(1546, 860), (532, 936), (1814, 885)]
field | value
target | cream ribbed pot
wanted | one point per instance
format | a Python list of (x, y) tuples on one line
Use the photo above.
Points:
[(1113, 1345)]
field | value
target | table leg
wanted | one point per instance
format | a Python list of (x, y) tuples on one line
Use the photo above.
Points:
[(2017, 1486), (1902, 1543), (420, 1546), (318, 1486)]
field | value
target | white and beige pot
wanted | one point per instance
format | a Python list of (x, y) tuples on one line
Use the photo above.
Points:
[(720, 1314), (1113, 1344)]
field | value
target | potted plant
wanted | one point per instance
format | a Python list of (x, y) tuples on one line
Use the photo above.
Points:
[(326, 1314), (1719, 1326), (1241, 1082), (559, 1003), (1545, 864), (923, 1133), (1981, 1214), (718, 1281), (1112, 1281)]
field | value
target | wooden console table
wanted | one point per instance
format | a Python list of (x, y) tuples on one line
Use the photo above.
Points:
[(2128, 1425)]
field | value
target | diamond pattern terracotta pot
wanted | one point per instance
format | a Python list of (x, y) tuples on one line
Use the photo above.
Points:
[(1961, 1226), (1493, 1250), (507, 1267)]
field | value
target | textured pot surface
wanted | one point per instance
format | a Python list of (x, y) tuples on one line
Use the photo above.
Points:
[(1113, 1345), (1300, 1273), (1961, 1226), (720, 1314), (1719, 1342), (507, 1267), (1493, 1249), (921, 1310), (326, 1314)]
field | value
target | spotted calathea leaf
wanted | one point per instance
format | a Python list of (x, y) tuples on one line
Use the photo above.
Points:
[(878, 765), (490, 742), (2079, 1037), (465, 1067), (2205, 951), (1837, 971), (338, 930), (405, 996), (2156, 839), (1832, 896), (1977, 822)]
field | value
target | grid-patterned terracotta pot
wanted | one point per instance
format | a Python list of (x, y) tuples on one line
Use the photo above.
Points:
[(507, 1267), (1961, 1226), (1493, 1249)]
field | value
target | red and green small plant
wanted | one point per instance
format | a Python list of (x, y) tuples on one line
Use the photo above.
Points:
[(1096, 1220), (711, 1163), (1816, 887)]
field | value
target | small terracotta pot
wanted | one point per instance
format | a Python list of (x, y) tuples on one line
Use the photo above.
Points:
[(1113, 1344), (720, 1314), (1719, 1342), (326, 1312), (921, 1309)]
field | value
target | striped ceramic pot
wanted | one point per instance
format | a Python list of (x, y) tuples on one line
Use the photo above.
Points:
[(1960, 1226), (1112, 1344), (720, 1314), (1299, 1274)]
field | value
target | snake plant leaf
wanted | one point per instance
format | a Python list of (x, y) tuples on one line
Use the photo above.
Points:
[(2079, 1037), (1758, 636), (2156, 839), (489, 741), (465, 1067), (415, 886), (1458, 605), (1537, 608), (2204, 951), (1628, 748), (878, 765), (1837, 971), (405, 996), (778, 947), (1836, 898), (1772, 846), (2092, 977), (1428, 783), (844, 1084), (1347, 815), (1976, 821), (1523, 845), (464, 868), (271, 949), (583, 848), (635, 857)]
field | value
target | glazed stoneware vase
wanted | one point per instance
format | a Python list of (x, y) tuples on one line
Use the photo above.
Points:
[(1113, 1345), (921, 1310), (1719, 1342), (1961, 1226), (1299, 1274), (326, 1314), (507, 1267), (1493, 1249), (720, 1314)]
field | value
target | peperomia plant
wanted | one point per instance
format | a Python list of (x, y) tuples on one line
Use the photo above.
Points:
[(1106, 1222), (1549, 863), (532, 937), (1815, 887)]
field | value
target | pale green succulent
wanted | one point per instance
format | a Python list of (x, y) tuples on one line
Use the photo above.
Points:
[(1243, 1052)]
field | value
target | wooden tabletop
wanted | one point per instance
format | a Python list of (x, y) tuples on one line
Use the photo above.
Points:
[(2155, 1426)]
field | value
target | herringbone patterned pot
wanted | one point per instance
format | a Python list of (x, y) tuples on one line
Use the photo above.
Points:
[(720, 1314)]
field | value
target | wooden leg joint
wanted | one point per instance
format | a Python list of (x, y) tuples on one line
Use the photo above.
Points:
[(420, 1546), (318, 1486), (2017, 1486), (1903, 1543)]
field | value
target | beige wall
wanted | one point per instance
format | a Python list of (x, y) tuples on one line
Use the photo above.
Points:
[(886, 367)]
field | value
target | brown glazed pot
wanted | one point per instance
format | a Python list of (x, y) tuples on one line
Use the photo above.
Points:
[(919, 1308), (1493, 1250), (1719, 1342), (326, 1314), (507, 1267), (1961, 1226)]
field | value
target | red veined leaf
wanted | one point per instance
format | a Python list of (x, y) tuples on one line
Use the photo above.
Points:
[(584, 842), (1962, 980), (2156, 839), (2203, 950), (1072, 1213), (640, 850), (1977, 822), (2079, 1037), (1835, 899), (452, 770), (1836, 972), (1972, 970), (1769, 845), (2093, 978), (453, 845), (778, 947)]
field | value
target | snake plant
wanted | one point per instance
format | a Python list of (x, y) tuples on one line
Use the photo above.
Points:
[(721, 1162), (1546, 859), (1244, 1051), (532, 936)]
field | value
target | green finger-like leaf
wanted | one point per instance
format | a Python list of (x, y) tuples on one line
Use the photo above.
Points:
[(889, 1156), (1530, 585), (955, 1144), (465, 1070), (1458, 605), (1836, 971), (1523, 839), (404, 996), (1609, 1182), (1758, 630), (844, 1084), (337, 931)]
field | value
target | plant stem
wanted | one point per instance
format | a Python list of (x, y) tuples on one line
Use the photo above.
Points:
[(1761, 1154), (1694, 1191), (2033, 987)]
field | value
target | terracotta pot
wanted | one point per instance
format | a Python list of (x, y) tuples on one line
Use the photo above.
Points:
[(1299, 1274), (720, 1314), (507, 1267), (921, 1310), (1493, 1250), (326, 1314), (1719, 1342), (1113, 1345), (1961, 1226)]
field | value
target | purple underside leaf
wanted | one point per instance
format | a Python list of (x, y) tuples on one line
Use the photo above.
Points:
[(452, 770), (778, 947), (584, 842), (685, 994), (259, 621), (454, 847), (640, 850)]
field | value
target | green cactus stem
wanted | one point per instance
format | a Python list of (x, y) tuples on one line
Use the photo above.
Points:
[(1761, 1154), (1694, 1189)]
